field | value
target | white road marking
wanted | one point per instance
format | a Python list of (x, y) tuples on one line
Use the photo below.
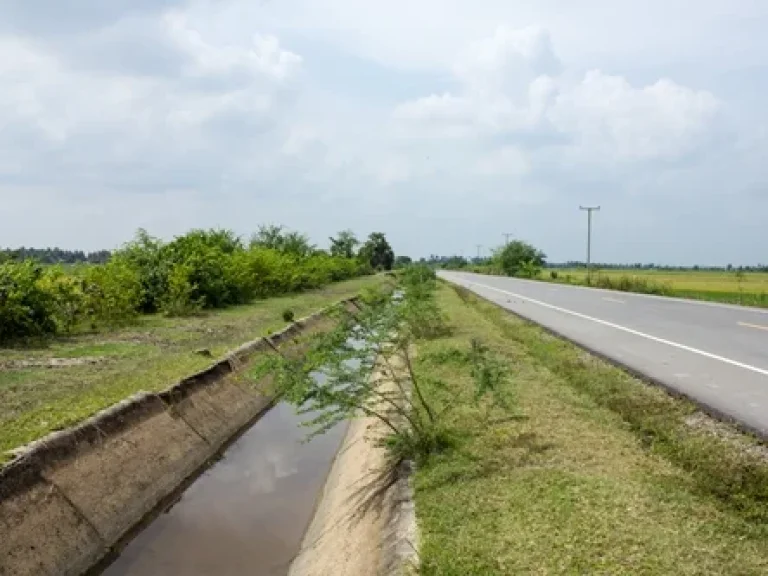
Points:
[(607, 299), (631, 295), (630, 330), (756, 326)]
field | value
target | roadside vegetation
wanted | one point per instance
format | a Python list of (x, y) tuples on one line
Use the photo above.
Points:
[(201, 270), (731, 286), (582, 470), (532, 457), (367, 363)]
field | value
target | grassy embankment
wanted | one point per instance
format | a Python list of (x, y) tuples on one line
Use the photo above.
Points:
[(36, 398), (749, 289), (587, 471)]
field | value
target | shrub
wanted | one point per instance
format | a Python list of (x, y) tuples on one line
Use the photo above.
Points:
[(553, 274), (26, 308), (69, 303), (113, 293), (179, 299), (201, 269), (288, 315)]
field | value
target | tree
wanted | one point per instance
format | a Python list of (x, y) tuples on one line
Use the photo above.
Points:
[(344, 244), (518, 256), (276, 238), (403, 261), (377, 252), (268, 236), (297, 244)]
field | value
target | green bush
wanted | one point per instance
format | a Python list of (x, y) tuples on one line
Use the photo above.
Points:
[(201, 269), (179, 300), (112, 293), (26, 308), (288, 315), (69, 303), (517, 257)]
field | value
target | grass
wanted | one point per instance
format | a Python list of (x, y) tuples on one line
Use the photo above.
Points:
[(588, 471), (149, 356), (751, 289)]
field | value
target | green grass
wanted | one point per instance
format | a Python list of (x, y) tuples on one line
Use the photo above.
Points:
[(588, 472), (148, 356), (720, 286)]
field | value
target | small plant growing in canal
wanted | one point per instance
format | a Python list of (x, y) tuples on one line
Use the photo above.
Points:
[(288, 315), (365, 366)]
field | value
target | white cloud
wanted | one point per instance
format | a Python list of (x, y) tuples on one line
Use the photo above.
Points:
[(326, 114), (226, 98), (609, 117), (510, 85), (264, 57)]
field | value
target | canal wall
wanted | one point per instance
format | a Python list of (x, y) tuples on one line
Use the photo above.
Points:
[(73, 498)]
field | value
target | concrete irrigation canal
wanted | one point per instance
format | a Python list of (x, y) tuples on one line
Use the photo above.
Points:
[(245, 515), (205, 477)]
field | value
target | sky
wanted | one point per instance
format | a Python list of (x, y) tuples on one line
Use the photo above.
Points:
[(443, 123)]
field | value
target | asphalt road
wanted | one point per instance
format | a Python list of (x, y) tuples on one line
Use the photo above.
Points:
[(716, 354)]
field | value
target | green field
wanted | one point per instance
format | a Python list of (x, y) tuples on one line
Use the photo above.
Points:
[(37, 397), (750, 289)]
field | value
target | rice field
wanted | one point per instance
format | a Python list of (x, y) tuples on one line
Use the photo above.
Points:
[(748, 288)]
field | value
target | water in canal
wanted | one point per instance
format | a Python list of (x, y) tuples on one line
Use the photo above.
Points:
[(247, 514)]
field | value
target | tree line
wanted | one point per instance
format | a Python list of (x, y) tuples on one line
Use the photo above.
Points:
[(55, 255), (200, 270)]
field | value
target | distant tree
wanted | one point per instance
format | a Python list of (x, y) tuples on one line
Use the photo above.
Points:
[(518, 256), (54, 255), (268, 236), (377, 252), (403, 261), (276, 238), (454, 262), (297, 244), (344, 244)]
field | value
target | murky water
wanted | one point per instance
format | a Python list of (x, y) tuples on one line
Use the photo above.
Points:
[(247, 514)]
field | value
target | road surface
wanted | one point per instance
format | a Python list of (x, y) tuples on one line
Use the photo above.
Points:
[(716, 354)]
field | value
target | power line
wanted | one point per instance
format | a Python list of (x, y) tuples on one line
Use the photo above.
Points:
[(589, 210)]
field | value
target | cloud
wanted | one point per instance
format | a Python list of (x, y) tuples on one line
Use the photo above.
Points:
[(512, 83), (611, 118), (329, 114), (121, 129)]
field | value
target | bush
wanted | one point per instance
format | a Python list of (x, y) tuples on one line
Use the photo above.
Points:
[(201, 269), (517, 257), (553, 274), (112, 293), (26, 308), (69, 303), (179, 299), (288, 315)]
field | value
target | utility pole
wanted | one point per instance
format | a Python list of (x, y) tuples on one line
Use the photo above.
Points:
[(479, 248), (589, 210), (506, 237)]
